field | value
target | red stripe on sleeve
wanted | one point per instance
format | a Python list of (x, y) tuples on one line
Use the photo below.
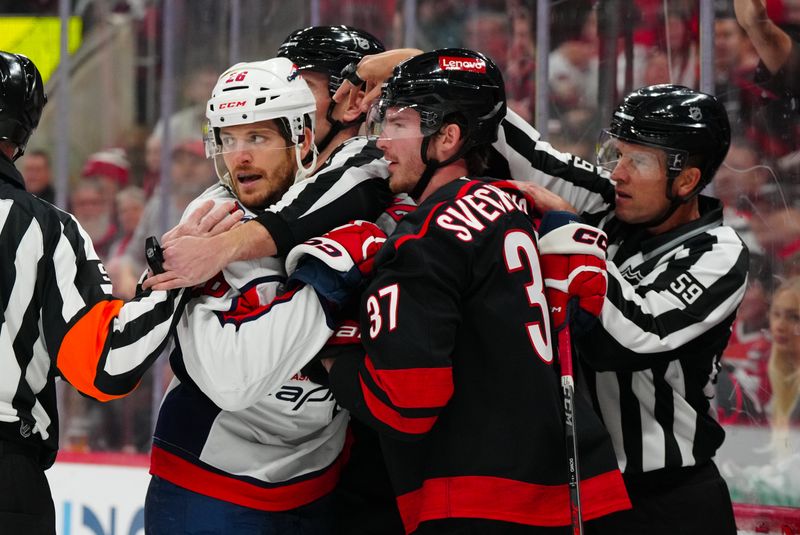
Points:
[(392, 418), (422, 231), (414, 388)]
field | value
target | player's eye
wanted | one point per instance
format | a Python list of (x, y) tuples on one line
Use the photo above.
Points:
[(257, 138)]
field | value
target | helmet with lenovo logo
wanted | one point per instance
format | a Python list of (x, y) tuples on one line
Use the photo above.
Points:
[(447, 85)]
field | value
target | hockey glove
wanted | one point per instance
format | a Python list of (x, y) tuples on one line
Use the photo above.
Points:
[(573, 259), (336, 262), (345, 338)]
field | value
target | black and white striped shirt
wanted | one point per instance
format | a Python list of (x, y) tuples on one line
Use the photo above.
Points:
[(671, 300), (351, 184), (59, 318)]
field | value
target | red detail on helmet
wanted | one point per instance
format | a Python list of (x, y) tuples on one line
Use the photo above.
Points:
[(232, 104), (449, 63)]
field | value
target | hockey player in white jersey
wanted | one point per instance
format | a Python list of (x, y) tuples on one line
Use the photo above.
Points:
[(349, 182), (244, 442)]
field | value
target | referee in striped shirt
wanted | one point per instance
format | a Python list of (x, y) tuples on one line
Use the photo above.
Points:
[(59, 318), (676, 276)]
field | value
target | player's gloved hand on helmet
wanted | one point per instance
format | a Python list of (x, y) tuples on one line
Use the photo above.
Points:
[(573, 260), (336, 263)]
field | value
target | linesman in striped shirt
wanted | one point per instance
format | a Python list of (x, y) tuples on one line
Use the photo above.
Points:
[(676, 276), (59, 318)]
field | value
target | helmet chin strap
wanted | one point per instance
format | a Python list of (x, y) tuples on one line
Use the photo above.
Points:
[(302, 171), (431, 166), (675, 203)]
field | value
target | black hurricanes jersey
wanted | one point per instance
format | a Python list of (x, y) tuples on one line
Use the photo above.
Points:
[(459, 373)]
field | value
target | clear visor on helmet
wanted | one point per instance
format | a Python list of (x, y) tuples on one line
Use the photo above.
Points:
[(231, 144), (399, 121), (258, 138), (614, 153)]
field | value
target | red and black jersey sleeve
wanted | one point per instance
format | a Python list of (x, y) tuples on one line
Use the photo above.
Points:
[(409, 319)]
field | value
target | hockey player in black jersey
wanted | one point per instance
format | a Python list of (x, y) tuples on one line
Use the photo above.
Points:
[(458, 373), (676, 276)]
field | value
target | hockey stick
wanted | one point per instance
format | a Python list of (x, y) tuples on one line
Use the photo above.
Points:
[(568, 389)]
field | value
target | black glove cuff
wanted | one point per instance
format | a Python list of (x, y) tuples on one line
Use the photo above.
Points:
[(350, 74)]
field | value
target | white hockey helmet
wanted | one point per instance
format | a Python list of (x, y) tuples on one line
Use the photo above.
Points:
[(259, 91)]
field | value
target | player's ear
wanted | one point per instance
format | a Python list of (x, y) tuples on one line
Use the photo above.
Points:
[(447, 141), (687, 181), (305, 146), (351, 107)]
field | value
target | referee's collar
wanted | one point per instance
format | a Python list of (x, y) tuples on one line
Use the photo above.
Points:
[(9, 173), (710, 217)]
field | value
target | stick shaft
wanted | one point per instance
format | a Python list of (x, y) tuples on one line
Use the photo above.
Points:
[(568, 389)]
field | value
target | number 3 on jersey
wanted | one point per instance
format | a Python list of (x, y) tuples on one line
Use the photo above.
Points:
[(520, 251), (391, 293)]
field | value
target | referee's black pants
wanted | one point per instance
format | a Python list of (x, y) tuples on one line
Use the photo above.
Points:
[(26, 505), (685, 501)]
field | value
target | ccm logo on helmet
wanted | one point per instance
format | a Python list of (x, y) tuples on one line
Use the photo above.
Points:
[(462, 64), (591, 237), (232, 104)]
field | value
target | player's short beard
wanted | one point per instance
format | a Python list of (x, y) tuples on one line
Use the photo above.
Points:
[(280, 178)]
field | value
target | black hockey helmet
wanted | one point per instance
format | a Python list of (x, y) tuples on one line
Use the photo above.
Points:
[(691, 127), (22, 99), (450, 83), (446, 85), (329, 49)]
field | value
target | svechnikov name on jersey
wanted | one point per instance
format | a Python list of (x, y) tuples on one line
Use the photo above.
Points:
[(470, 213)]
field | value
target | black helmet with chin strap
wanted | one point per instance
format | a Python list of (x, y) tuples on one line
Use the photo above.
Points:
[(328, 50), (691, 127), (22, 99), (449, 85)]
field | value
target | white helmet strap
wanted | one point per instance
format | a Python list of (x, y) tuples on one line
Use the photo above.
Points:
[(302, 171)]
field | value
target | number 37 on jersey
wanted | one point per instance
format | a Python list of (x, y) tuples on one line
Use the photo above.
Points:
[(519, 255)]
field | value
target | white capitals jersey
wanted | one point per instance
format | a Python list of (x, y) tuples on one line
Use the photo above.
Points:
[(240, 422)]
